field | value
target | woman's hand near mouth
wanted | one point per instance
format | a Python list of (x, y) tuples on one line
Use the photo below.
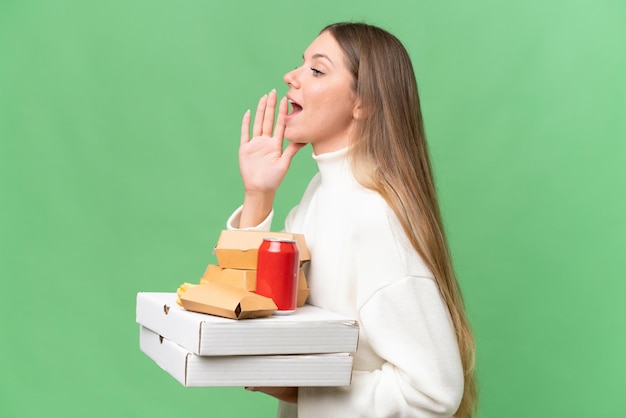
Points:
[(262, 162)]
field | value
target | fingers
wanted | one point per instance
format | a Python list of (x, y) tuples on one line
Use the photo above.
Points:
[(245, 127), (264, 118), (270, 108), (257, 129), (287, 394), (283, 107)]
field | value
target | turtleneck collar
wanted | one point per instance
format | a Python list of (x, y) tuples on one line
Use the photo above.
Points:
[(335, 168)]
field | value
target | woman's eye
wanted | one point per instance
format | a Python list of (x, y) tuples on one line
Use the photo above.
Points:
[(316, 72)]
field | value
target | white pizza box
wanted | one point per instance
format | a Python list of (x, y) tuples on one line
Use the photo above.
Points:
[(309, 330), (191, 370)]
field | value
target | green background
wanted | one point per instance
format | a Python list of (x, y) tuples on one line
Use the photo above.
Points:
[(119, 124)]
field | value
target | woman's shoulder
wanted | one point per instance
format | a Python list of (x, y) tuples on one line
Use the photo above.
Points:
[(378, 226), (371, 209)]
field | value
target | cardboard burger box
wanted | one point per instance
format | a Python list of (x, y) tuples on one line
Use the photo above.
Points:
[(246, 280), (275, 370), (309, 330), (238, 249), (241, 279)]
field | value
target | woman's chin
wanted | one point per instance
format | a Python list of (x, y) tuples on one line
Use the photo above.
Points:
[(295, 139)]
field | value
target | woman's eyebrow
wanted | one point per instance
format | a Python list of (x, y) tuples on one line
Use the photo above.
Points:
[(315, 56)]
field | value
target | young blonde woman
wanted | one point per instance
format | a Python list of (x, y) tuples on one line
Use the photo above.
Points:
[(372, 222)]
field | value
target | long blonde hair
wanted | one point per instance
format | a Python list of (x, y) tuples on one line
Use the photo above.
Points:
[(390, 155)]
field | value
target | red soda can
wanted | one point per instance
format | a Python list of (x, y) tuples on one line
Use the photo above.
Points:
[(278, 265)]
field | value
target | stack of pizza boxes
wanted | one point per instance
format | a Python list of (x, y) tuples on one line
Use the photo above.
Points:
[(233, 339)]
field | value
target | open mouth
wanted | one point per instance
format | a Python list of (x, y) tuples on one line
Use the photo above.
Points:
[(295, 107)]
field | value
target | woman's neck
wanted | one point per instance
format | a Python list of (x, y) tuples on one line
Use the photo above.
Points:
[(330, 146)]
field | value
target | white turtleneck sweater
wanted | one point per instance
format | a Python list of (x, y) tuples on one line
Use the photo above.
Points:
[(362, 265)]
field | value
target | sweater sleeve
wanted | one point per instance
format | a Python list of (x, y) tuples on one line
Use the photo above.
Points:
[(408, 326), (233, 221), (293, 217)]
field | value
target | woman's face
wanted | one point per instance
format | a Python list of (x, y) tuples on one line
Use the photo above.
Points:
[(321, 96)]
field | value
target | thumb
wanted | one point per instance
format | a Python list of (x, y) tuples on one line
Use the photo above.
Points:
[(291, 150)]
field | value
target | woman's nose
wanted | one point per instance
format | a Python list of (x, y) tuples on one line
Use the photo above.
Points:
[(291, 78)]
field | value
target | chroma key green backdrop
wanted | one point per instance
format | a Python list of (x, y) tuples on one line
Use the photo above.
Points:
[(119, 128)]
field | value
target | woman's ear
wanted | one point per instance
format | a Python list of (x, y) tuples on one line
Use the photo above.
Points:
[(357, 111)]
